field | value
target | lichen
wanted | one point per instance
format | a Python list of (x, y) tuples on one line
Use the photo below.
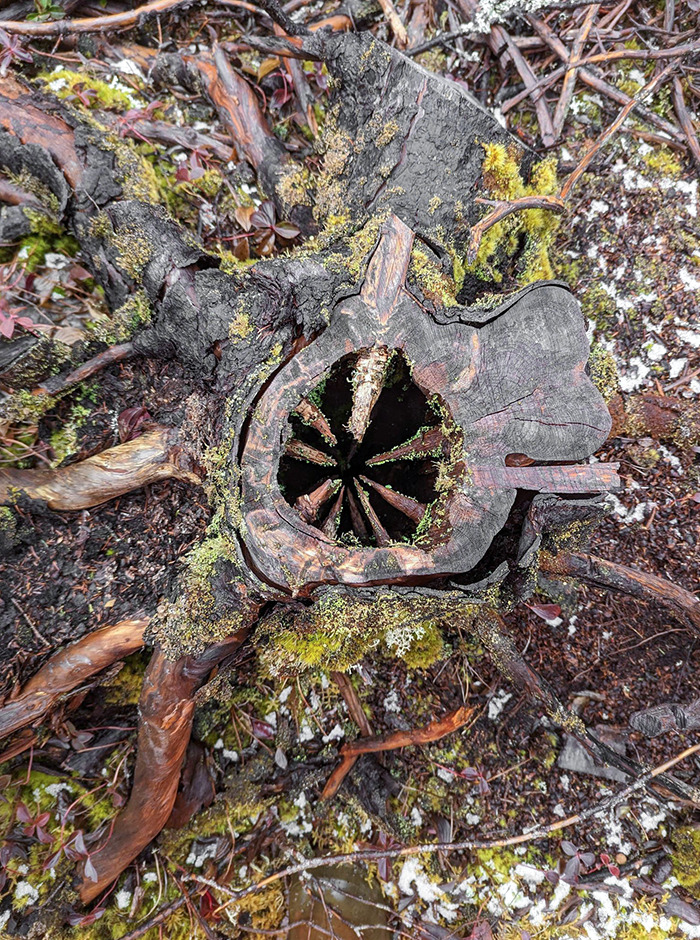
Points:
[(121, 324), (603, 371)]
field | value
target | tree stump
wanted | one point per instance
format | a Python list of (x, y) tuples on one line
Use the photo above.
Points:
[(362, 429)]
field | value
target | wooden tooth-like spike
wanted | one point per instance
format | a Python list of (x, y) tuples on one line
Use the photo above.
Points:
[(406, 504), (358, 523), (429, 441), (380, 533), (309, 505), (367, 385), (330, 526), (301, 451), (313, 416)]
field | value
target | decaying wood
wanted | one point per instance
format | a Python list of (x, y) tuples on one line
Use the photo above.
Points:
[(663, 417), (437, 729), (67, 669), (613, 576), (155, 455)]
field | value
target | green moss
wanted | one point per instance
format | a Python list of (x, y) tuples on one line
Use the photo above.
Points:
[(121, 325), (432, 280), (686, 858), (25, 181), (664, 162), (341, 628), (62, 82), (134, 250)]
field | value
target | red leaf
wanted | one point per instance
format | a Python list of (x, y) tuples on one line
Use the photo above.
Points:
[(7, 327), (130, 421), (286, 230), (545, 611), (23, 814)]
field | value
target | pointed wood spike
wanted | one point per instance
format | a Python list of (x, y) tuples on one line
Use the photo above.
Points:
[(367, 384), (313, 416), (380, 533), (358, 523), (309, 505), (301, 451), (406, 504), (428, 441), (330, 526)]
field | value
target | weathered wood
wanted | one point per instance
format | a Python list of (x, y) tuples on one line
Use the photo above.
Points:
[(67, 669), (155, 455)]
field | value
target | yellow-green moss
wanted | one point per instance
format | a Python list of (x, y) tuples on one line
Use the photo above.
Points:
[(686, 858), (296, 186), (64, 441), (603, 370), (25, 181), (502, 180), (123, 322), (62, 82), (339, 629)]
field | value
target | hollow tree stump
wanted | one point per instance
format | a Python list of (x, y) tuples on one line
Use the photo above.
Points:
[(365, 426)]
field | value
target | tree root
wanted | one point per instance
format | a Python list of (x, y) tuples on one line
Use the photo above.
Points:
[(615, 577), (166, 708), (665, 418), (149, 458), (495, 636), (67, 669)]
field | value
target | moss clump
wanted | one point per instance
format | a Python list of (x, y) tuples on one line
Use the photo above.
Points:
[(64, 442), (524, 238), (603, 371), (65, 83), (432, 280), (8, 529), (123, 322), (240, 327), (340, 628), (133, 251), (426, 646), (686, 858), (30, 184), (296, 186)]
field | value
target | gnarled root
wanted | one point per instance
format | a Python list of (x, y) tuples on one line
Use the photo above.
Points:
[(149, 458), (495, 636), (615, 577), (166, 709), (67, 669)]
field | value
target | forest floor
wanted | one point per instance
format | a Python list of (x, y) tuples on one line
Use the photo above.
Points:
[(629, 247)]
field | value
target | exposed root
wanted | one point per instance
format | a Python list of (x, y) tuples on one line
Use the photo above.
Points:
[(665, 418), (114, 354), (149, 458), (166, 709), (67, 669), (615, 577)]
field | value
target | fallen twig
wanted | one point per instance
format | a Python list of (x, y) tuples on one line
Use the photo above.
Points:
[(394, 21), (432, 732), (684, 117), (567, 88), (60, 383), (90, 24), (503, 209)]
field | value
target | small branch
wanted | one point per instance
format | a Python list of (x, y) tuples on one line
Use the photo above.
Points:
[(684, 117), (67, 669), (152, 457), (616, 577), (60, 383), (502, 210), (278, 14), (544, 118), (91, 24), (567, 88), (394, 21), (615, 126), (433, 732)]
